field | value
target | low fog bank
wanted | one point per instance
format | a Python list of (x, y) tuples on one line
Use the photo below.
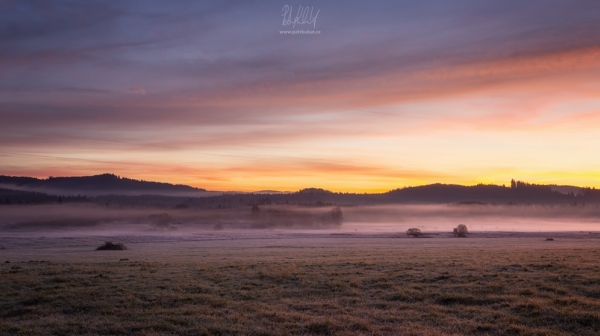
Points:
[(94, 217), (443, 218), (89, 218)]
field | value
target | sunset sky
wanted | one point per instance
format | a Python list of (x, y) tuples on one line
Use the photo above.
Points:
[(389, 94)]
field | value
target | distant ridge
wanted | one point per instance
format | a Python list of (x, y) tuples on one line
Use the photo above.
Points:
[(520, 192), (565, 189), (109, 184), (104, 184), (269, 192), (314, 191)]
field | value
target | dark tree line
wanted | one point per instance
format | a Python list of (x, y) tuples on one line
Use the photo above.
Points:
[(519, 193)]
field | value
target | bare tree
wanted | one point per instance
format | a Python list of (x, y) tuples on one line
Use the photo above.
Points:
[(334, 216)]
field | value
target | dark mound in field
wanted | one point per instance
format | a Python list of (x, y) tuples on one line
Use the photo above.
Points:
[(111, 246)]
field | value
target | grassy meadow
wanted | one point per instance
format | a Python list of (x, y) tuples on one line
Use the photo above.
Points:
[(319, 286)]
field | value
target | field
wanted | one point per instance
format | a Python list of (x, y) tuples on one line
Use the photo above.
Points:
[(324, 284)]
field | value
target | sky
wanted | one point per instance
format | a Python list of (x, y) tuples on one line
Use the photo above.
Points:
[(375, 95)]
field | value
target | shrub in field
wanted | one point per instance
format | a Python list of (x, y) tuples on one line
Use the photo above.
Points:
[(111, 246), (414, 232), (461, 230)]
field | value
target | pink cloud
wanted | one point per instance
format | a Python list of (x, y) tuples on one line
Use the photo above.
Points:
[(136, 90)]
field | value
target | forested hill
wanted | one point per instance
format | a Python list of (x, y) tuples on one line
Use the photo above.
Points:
[(518, 193), (110, 189), (104, 184)]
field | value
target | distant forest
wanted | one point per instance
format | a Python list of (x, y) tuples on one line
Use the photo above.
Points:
[(96, 185), (519, 193)]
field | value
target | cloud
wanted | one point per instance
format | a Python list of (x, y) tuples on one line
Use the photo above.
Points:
[(221, 78), (136, 90)]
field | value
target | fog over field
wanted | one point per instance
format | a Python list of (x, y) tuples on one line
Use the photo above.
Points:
[(436, 218), (96, 219)]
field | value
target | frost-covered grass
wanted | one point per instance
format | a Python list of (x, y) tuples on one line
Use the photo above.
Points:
[(328, 286)]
